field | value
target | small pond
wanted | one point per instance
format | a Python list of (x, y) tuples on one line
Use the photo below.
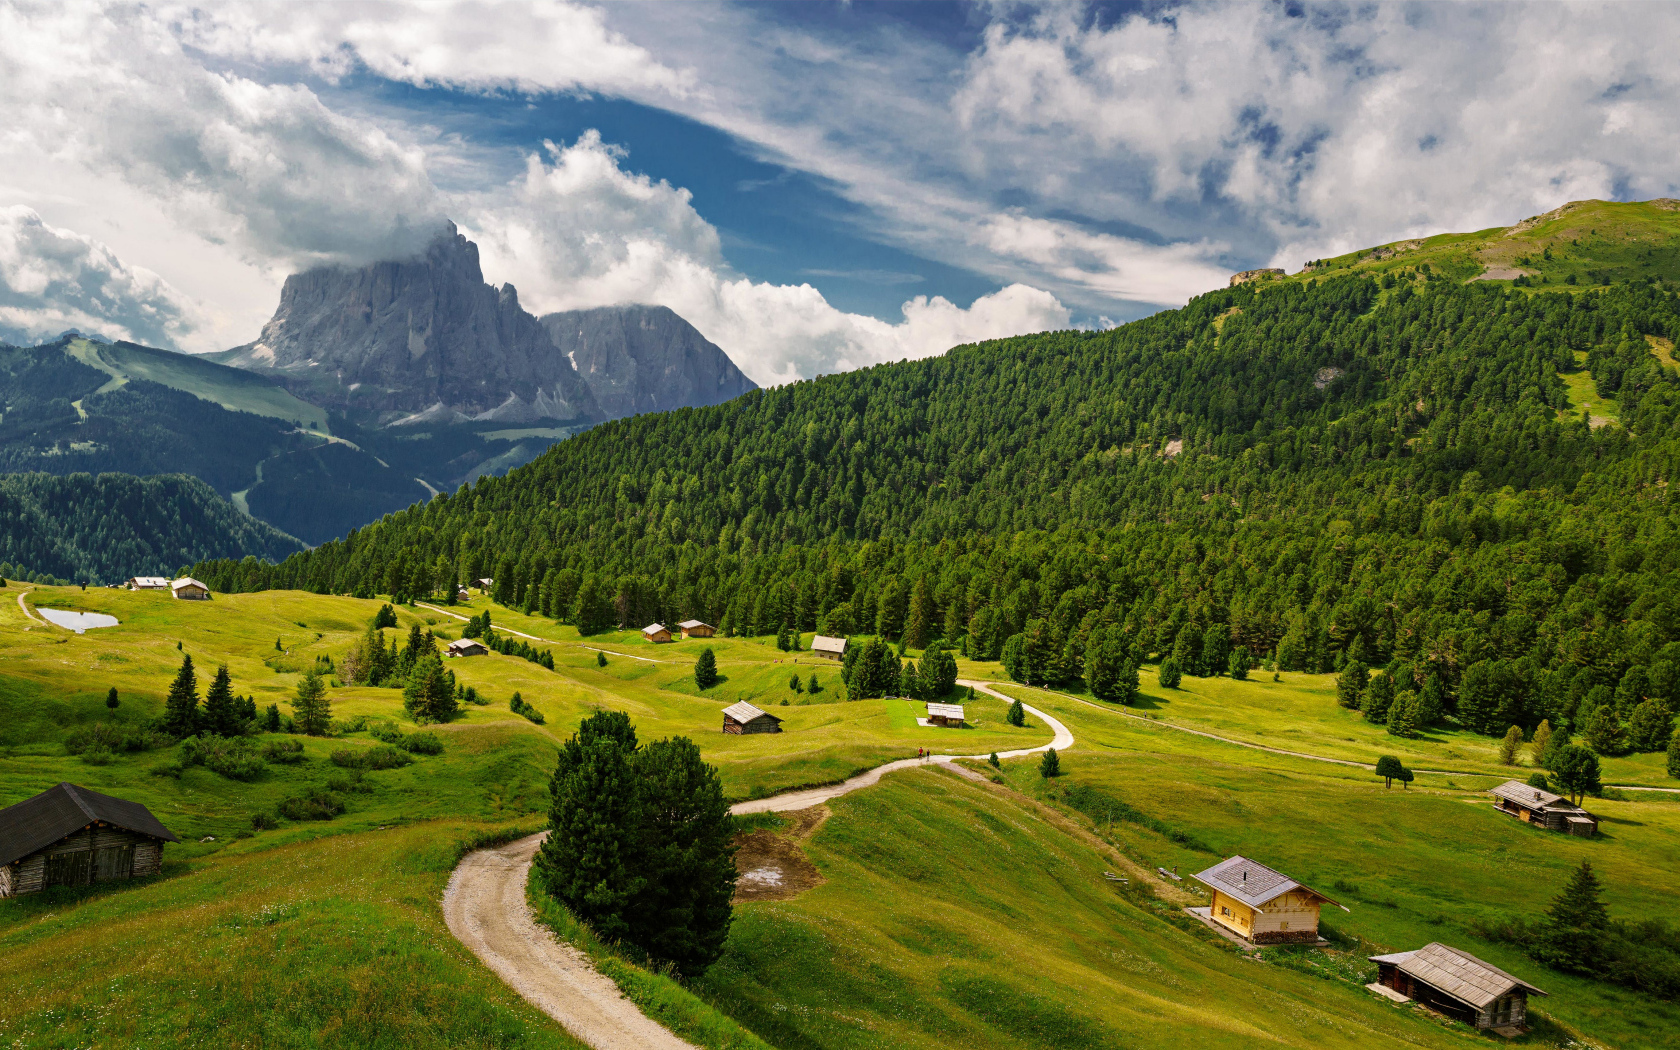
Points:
[(77, 621)]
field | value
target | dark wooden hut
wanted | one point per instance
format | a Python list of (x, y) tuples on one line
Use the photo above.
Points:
[(742, 718), (70, 836), (1458, 984)]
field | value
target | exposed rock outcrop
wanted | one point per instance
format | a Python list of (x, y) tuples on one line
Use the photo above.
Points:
[(423, 335), (1255, 275), (644, 359)]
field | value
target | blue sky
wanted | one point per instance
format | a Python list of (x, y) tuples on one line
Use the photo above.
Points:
[(815, 186)]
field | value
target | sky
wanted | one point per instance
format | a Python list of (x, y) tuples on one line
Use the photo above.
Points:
[(816, 187)]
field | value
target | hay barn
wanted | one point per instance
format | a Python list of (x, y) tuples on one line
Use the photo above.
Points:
[(70, 836), (743, 718)]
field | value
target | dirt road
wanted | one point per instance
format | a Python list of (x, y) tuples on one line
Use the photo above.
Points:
[(486, 910)]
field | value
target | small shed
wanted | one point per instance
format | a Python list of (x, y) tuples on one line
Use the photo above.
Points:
[(828, 648), (190, 589), (656, 632), (1531, 805), (484, 584), (743, 718), (1261, 905), (945, 715), (1457, 984), (696, 629), (462, 594), (466, 647), (148, 583), (70, 836)]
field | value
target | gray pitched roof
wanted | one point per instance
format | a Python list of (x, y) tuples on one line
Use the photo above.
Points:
[(744, 712), (653, 628), (65, 809), (1459, 974), (689, 625), (822, 643), (945, 711), (1533, 797), (1251, 882)]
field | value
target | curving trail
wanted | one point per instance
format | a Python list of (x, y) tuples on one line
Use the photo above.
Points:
[(484, 907)]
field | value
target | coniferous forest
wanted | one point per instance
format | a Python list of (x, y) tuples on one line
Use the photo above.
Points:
[(1342, 474)]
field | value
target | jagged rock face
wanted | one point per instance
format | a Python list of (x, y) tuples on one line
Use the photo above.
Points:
[(425, 335), (644, 359)]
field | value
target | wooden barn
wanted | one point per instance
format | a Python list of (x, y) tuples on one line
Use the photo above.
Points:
[(148, 583), (191, 590), (656, 633), (696, 629), (1543, 809), (466, 647), (828, 648), (950, 715), (484, 583), (743, 718), (70, 836), (1457, 984), (1261, 905)]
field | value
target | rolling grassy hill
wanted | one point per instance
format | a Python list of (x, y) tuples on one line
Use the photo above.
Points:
[(936, 891)]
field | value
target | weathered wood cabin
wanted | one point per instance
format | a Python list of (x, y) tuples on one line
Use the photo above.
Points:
[(1261, 905), (484, 583), (949, 715), (743, 718), (148, 583), (189, 589), (1457, 984), (828, 648), (1543, 809), (697, 629), (656, 633), (466, 647), (70, 836)]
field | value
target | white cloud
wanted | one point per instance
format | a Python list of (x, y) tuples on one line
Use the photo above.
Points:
[(577, 230), (53, 279)]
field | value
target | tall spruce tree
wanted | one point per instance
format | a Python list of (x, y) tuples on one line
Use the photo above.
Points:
[(1573, 936), (221, 711), (922, 618), (705, 669), (311, 709), (590, 861), (685, 854), (1351, 684), (1576, 770), (180, 707)]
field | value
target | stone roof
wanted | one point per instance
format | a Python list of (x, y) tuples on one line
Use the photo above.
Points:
[(744, 712), (1458, 974), (1252, 883), (822, 643), (65, 809)]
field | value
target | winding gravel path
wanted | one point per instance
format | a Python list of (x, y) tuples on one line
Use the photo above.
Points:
[(485, 908)]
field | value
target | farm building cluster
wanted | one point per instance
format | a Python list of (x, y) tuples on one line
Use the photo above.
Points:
[(1532, 805), (185, 588)]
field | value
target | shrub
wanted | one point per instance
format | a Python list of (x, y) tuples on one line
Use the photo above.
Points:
[(355, 783), (385, 757), (519, 707), (1050, 765), (285, 752), (422, 744), (114, 738), (319, 804), (386, 732), (263, 821), (98, 756), (346, 759), (235, 759)]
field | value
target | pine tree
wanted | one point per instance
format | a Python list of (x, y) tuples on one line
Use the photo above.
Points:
[(1017, 715), (180, 707), (1431, 704), (795, 684), (1537, 746), (910, 681), (111, 700), (1238, 665), (782, 637), (589, 861), (1402, 714), (1216, 649), (814, 687), (1050, 765), (221, 716), (1351, 684), (921, 619), (1509, 746), (1388, 767), (1379, 697), (1102, 668), (1603, 731), (1573, 936), (1168, 674), (600, 658), (705, 669), (311, 708), (1651, 727), (1577, 771), (1674, 756)]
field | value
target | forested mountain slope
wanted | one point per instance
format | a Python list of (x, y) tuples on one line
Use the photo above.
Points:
[(107, 527), (1395, 466)]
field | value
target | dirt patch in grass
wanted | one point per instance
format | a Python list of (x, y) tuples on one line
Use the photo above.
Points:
[(771, 864)]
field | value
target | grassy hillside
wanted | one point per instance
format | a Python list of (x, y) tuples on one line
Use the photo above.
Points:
[(234, 389)]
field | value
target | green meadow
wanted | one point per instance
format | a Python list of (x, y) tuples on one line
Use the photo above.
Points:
[(950, 912)]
